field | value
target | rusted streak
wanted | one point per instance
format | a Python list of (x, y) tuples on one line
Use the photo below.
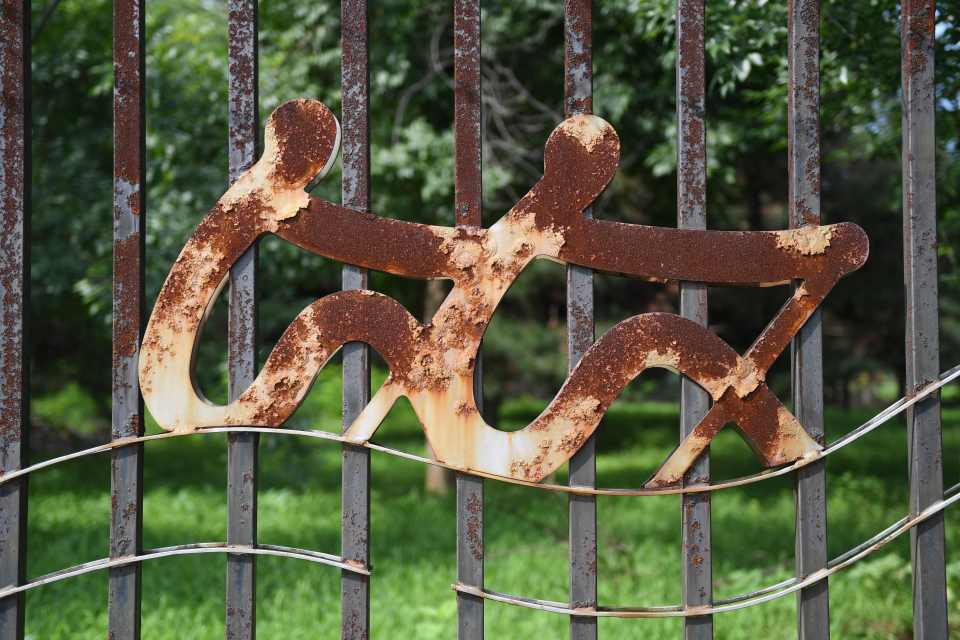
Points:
[(803, 165), (241, 278), (697, 586), (355, 193), (128, 209), (691, 164), (578, 57), (803, 97), (919, 26), (921, 326), (467, 97), (14, 300), (582, 510), (433, 364), (241, 148), (14, 199), (356, 157), (241, 40), (463, 256)]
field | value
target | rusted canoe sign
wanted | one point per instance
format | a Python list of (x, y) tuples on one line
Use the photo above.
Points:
[(433, 364)]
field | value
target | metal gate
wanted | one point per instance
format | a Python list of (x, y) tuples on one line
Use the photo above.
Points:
[(927, 497)]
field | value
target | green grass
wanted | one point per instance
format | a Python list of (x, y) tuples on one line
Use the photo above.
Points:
[(413, 537)]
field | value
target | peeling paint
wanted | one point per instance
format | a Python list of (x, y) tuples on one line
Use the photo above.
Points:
[(433, 364), (587, 129), (808, 240)]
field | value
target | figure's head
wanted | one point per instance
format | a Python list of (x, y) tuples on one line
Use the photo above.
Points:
[(580, 158), (301, 142)]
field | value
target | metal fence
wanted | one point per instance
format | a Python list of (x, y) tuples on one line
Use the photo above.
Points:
[(927, 497)]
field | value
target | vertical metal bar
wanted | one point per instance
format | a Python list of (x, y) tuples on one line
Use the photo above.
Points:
[(14, 298), (813, 603), (468, 207), (578, 99), (129, 211), (692, 214), (355, 509), (922, 315), (242, 449)]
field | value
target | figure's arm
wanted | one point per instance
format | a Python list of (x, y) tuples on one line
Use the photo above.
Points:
[(715, 257), (366, 240), (580, 159)]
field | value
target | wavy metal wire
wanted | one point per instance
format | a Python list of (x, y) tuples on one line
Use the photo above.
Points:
[(870, 425), (765, 594), (753, 598), (197, 548)]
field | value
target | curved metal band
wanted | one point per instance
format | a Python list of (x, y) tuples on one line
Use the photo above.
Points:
[(753, 598), (870, 425), (188, 550), (743, 601)]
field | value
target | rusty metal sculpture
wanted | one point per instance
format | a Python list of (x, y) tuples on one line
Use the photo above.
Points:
[(433, 364)]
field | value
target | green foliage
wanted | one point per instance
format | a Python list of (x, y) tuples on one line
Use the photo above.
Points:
[(70, 408)]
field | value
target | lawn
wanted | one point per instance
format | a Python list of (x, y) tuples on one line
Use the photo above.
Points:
[(413, 543)]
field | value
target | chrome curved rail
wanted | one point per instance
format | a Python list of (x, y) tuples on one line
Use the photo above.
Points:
[(753, 598), (870, 425), (197, 548)]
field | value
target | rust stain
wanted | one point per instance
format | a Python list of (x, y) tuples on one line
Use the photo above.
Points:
[(432, 364), (475, 527), (578, 57), (14, 263), (466, 123)]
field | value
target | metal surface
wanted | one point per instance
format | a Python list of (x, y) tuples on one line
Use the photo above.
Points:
[(468, 212), (129, 215), (433, 365), (578, 100), (697, 568), (922, 314), (355, 492), (803, 170), (242, 449), (14, 301)]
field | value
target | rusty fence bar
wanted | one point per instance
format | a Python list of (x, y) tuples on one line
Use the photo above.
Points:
[(922, 319), (468, 211), (803, 168), (129, 211), (927, 498), (242, 341), (355, 492), (14, 300), (578, 99), (697, 569)]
